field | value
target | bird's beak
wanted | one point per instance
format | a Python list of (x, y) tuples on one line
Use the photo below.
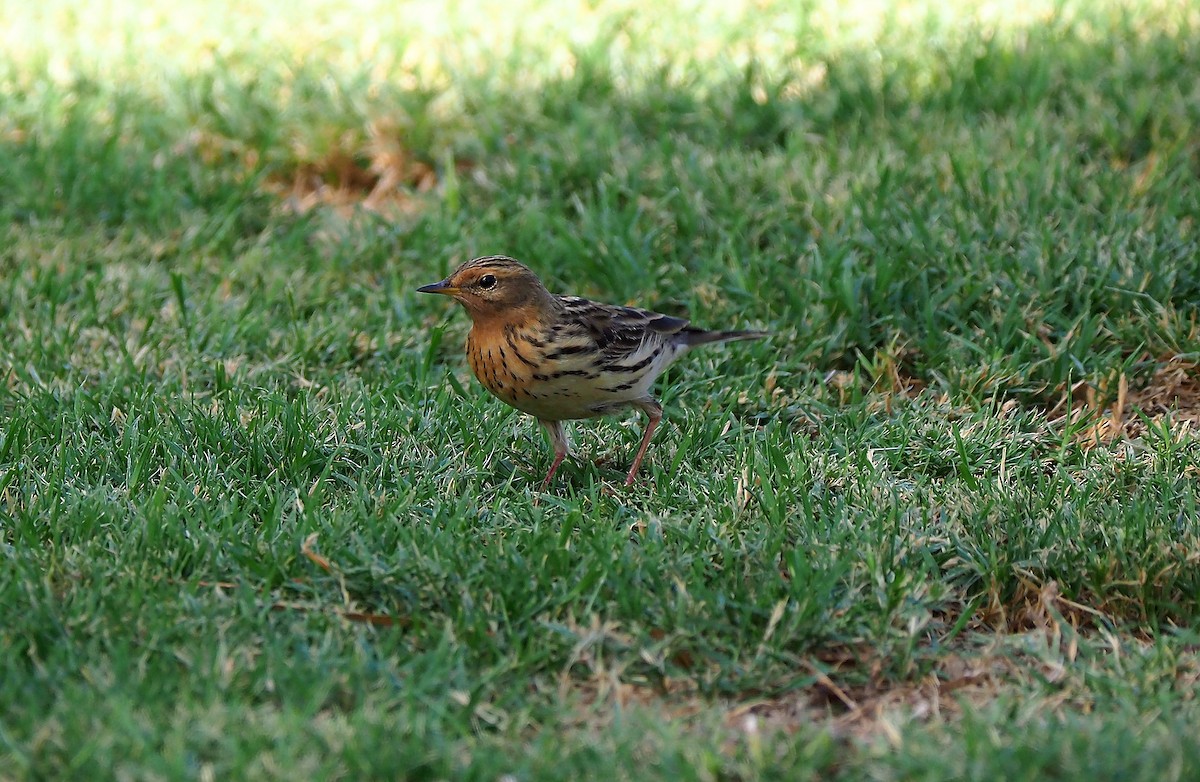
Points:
[(444, 287)]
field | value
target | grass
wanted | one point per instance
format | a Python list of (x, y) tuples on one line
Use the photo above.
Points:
[(257, 521)]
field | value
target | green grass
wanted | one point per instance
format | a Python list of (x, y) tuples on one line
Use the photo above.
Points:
[(257, 520)]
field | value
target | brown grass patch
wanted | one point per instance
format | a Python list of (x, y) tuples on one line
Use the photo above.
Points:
[(1101, 413), (379, 175), (876, 710), (958, 682), (1041, 606), (377, 172), (1015, 649), (1171, 397), (373, 170), (962, 680)]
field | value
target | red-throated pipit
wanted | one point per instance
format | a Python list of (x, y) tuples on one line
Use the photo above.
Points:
[(559, 358)]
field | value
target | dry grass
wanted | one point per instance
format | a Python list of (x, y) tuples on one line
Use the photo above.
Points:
[(379, 175), (1170, 399)]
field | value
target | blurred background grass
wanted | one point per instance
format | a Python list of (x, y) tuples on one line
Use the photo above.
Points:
[(999, 195)]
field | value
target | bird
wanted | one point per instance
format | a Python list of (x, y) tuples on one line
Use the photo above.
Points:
[(563, 358)]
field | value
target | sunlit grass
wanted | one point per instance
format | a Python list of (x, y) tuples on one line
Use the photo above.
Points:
[(411, 43)]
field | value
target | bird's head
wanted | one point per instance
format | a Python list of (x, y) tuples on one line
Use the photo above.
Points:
[(494, 287)]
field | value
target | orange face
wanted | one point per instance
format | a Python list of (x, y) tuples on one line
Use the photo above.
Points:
[(494, 288)]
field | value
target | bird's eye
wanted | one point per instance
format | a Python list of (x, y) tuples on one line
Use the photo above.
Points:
[(487, 281)]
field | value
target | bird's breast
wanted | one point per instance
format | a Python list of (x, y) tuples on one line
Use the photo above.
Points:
[(503, 365)]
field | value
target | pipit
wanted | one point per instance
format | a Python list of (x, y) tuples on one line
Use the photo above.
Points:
[(561, 358)]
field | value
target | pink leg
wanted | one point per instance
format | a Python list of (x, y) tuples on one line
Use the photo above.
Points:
[(562, 447), (558, 459), (654, 410)]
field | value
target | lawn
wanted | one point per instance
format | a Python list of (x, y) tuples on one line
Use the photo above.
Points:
[(257, 520)]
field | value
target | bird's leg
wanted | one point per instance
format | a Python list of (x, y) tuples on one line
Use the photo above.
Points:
[(560, 443), (654, 410)]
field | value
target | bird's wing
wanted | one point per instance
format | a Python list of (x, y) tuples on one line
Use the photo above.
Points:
[(602, 357), (609, 334)]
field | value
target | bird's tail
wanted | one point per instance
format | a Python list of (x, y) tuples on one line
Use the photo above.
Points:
[(692, 336)]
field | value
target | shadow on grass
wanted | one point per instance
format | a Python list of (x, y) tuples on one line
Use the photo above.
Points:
[(988, 215)]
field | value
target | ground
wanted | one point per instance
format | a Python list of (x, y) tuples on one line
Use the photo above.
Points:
[(258, 521)]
